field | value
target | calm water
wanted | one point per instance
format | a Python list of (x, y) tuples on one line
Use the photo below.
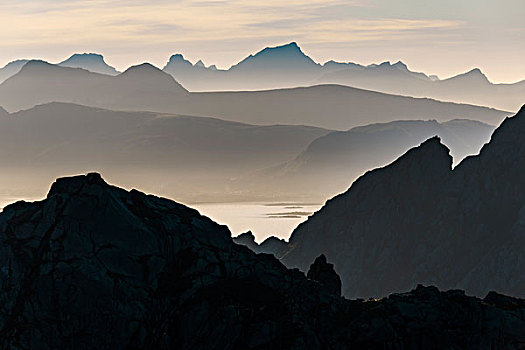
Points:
[(263, 219)]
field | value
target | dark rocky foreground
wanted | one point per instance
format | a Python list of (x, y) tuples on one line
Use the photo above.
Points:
[(418, 220), (96, 267)]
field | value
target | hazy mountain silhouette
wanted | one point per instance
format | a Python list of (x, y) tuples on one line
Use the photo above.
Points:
[(288, 66), (145, 87), (189, 158), (328, 106), (142, 87), (333, 161), (471, 87), (89, 61), (11, 69), (161, 276), (418, 221)]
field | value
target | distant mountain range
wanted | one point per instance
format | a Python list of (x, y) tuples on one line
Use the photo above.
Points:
[(141, 87), (287, 66), (146, 88), (189, 158), (333, 161), (419, 221)]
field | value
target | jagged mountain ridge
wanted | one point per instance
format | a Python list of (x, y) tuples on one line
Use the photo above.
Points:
[(287, 66), (333, 161), (161, 276), (146, 88), (418, 221)]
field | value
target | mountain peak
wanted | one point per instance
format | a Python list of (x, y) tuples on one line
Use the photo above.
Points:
[(473, 74), (70, 185), (147, 74), (143, 67), (178, 58), (288, 56), (92, 62)]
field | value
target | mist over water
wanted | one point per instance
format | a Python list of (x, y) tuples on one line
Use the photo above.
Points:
[(263, 219)]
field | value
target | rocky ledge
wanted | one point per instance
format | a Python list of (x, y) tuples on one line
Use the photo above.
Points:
[(93, 266)]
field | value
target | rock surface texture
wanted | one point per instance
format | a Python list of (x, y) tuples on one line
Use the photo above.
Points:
[(418, 220), (96, 267)]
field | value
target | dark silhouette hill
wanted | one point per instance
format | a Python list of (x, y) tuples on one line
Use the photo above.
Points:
[(333, 161), (91, 62), (418, 221), (190, 158), (95, 266)]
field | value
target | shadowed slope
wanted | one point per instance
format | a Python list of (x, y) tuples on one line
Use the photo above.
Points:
[(94, 266), (417, 221)]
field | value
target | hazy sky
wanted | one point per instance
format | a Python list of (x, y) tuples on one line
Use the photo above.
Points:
[(443, 37)]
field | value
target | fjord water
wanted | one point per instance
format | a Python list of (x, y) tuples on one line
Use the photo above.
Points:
[(263, 219)]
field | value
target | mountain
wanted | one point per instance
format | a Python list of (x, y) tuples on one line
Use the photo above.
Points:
[(333, 161), (95, 266), (271, 59), (328, 106), (89, 61), (419, 221), (146, 88), (472, 87), (11, 69), (287, 66), (273, 67), (140, 87), (189, 158)]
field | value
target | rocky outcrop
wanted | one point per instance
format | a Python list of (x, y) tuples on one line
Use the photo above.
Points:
[(323, 272), (419, 221), (272, 245), (95, 266)]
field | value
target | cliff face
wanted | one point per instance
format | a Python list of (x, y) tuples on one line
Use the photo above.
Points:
[(95, 266), (418, 221)]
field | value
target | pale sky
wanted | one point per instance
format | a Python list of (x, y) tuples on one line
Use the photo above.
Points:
[(443, 37)]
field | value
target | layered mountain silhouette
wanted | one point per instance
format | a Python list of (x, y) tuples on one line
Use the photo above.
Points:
[(418, 221), (189, 158), (146, 88), (91, 62), (199, 159), (470, 87), (142, 87), (11, 69), (95, 266), (332, 162), (288, 66)]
